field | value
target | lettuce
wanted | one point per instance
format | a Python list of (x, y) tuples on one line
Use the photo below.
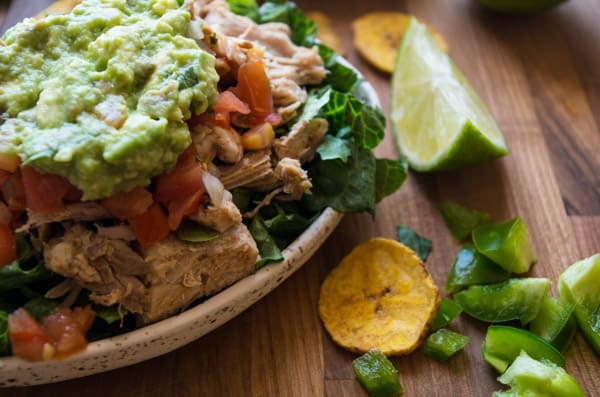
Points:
[(248, 8), (304, 30)]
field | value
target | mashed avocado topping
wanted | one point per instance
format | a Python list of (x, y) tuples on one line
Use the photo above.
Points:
[(101, 95)]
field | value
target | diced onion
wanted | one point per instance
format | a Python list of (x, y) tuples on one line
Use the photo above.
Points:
[(214, 188), (195, 30)]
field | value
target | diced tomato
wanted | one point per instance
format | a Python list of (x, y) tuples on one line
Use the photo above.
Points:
[(67, 329), (5, 214), (228, 102), (27, 338), (184, 206), (8, 245), (125, 205), (13, 192), (9, 162), (43, 192), (4, 175), (73, 193), (182, 181), (254, 87), (150, 227), (84, 316)]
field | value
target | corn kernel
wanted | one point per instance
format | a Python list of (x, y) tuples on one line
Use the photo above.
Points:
[(257, 138)]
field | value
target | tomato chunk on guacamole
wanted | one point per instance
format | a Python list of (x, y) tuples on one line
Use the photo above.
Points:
[(101, 95)]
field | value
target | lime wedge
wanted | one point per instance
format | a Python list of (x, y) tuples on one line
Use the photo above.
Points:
[(519, 6), (438, 120)]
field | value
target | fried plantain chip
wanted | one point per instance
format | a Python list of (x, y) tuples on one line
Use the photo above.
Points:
[(379, 297), (59, 7), (326, 32), (377, 36)]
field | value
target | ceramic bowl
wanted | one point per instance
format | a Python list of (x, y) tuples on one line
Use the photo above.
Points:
[(171, 333)]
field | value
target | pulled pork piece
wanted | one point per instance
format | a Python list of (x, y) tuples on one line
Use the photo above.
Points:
[(160, 281), (219, 217), (84, 211), (288, 175), (215, 141), (302, 141), (288, 66), (253, 167), (181, 272), (294, 178), (107, 267)]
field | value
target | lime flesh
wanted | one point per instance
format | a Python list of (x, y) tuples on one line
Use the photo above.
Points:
[(438, 120)]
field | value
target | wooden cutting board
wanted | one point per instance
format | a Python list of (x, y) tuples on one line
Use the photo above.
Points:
[(540, 77)]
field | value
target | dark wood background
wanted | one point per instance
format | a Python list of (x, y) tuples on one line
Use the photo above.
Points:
[(540, 77)]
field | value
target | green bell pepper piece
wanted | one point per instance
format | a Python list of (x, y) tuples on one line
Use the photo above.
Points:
[(377, 374), (502, 345), (529, 377), (443, 344), (514, 299), (555, 323), (580, 284), (472, 268), (506, 244), (447, 312), (461, 220)]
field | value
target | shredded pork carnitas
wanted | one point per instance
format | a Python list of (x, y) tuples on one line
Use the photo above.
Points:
[(99, 253)]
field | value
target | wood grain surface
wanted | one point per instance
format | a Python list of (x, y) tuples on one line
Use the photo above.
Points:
[(540, 77)]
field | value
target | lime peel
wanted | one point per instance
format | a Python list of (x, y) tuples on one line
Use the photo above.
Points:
[(438, 120)]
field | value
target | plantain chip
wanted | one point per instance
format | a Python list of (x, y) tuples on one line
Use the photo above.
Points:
[(59, 7), (379, 297), (326, 34), (377, 36)]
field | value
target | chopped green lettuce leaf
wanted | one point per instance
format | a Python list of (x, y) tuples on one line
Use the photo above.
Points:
[(304, 30), (334, 148), (389, 176), (367, 123), (248, 8), (109, 314), (339, 76), (419, 244), (17, 275), (269, 251), (4, 342), (194, 232), (346, 187), (39, 307)]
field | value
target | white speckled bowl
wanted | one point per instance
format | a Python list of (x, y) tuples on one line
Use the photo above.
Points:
[(171, 333)]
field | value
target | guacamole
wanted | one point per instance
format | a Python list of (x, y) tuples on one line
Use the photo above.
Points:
[(101, 95)]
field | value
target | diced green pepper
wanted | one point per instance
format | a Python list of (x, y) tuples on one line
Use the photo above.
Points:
[(529, 377), (377, 374), (461, 220), (414, 241), (472, 268), (447, 312), (503, 344), (553, 322), (580, 284), (443, 344), (506, 244), (514, 299)]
